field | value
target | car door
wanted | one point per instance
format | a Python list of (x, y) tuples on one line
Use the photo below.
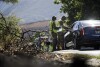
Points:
[(69, 34), (75, 29), (72, 32)]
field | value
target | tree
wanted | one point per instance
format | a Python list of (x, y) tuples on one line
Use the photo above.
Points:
[(9, 30), (10, 1), (80, 9)]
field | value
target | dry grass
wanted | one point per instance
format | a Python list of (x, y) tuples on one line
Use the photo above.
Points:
[(63, 57)]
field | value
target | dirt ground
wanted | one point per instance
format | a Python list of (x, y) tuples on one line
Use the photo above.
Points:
[(47, 60)]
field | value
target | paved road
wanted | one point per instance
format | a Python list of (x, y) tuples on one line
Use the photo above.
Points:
[(92, 62), (84, 50), (88, 52)]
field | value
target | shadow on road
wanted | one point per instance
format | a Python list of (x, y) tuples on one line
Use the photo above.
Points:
[(79, 62)]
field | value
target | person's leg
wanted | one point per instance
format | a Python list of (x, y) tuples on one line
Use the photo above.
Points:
[(54, 44), (58, 44), (63, 43)]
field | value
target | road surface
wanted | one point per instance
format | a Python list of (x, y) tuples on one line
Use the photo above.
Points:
[(83, 50), (88, 52)]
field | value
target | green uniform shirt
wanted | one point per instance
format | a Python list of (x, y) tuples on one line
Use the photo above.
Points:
[(62, 25), (53, 29)]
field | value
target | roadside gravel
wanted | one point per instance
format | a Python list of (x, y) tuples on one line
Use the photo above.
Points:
[(48, 60), (69, 59)]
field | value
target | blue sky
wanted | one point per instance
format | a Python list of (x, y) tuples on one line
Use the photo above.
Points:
[(31, 10)]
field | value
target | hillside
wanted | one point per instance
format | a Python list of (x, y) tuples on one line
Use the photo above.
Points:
[(41, 25)]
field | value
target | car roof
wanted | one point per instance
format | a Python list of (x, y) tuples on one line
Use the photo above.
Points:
[(87, 21), (82, 21)]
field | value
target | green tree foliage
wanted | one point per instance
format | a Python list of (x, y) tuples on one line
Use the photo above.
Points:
[(80, 9), (10, 1), (9, 30)]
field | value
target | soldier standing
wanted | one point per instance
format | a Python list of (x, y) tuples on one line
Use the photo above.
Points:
[(61, 32), (53, 31)]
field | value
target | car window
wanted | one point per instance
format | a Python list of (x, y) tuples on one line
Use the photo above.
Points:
[(79, 26), (76, 26)]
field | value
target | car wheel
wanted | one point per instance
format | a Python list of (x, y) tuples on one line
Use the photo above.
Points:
[(76, 44)]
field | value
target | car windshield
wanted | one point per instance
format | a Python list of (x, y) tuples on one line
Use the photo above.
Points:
[(90, 23)]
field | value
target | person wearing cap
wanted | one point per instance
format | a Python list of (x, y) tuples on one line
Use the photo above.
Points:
[(61, 33), (53, 31)]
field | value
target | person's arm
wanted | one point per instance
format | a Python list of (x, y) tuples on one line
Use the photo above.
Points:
[(50, 28), (65, 27), (50, 24), (57, 25)]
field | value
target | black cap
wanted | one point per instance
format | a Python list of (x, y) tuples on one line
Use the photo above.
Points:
[(53, 18), (63, 18)]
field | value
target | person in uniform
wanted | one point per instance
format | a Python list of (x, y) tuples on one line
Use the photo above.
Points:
[(53, 31), (62, 29)]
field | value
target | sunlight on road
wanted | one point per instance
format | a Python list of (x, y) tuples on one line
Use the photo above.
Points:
[(89, 52)]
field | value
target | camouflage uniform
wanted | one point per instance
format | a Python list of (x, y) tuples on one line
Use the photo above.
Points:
[(61, 33), (53, 31)]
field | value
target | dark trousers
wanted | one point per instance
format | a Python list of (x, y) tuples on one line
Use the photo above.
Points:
[(54, 44), (48, 45), (60, 45), (60, 41)]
